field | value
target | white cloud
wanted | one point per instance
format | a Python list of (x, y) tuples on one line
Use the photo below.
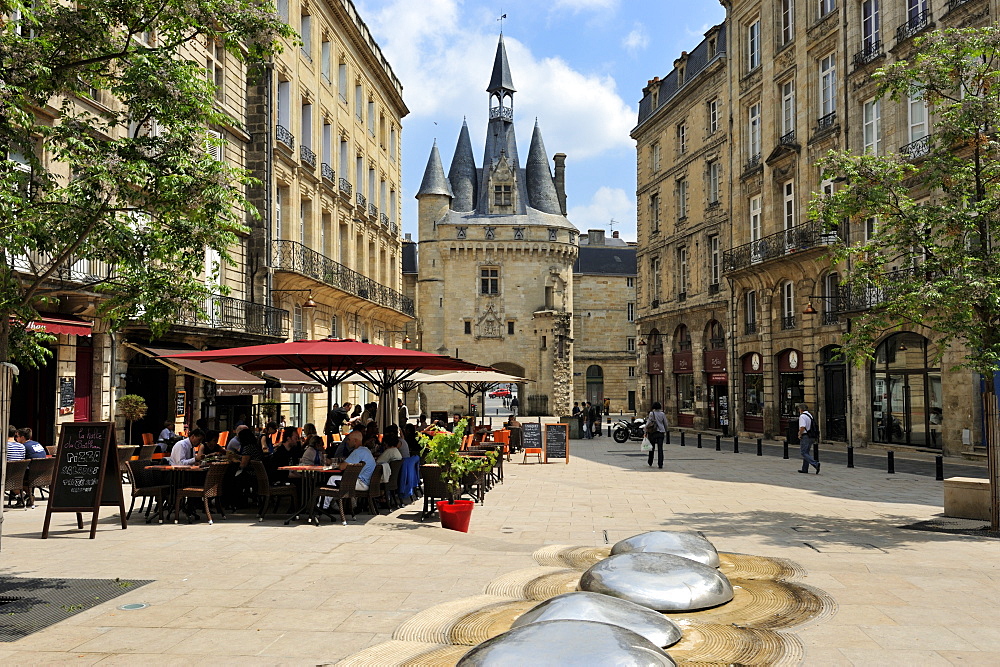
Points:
[(585, 5), (637, 40), (607, 204)]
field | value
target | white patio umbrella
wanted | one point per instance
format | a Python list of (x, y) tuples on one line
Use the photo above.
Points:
[(470, 383)]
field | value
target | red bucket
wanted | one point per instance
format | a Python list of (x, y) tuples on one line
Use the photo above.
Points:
[(455, 516)]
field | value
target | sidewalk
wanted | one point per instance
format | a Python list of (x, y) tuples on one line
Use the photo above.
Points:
[(262, 593)]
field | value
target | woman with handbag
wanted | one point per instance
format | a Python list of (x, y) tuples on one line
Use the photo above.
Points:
[(656, 429)]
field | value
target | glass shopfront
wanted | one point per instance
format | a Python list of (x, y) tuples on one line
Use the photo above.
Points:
[(906, 393), (791, 390), (684, 376), (753, 393)]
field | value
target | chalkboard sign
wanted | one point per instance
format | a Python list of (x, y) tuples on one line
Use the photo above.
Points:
[(532, 435), (86, 475), (67, 396), (556, 442), (180, 409)]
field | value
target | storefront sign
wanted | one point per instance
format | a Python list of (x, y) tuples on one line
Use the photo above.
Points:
[(67, 395), (301, 389), (180, 409), (715, 361), (718, 378), (683, 362), (239, 390), (654, 364)]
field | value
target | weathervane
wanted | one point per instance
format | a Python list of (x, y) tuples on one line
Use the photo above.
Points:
[(502, 17)]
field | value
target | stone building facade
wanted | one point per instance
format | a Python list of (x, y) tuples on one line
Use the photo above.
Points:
[(798, 74)]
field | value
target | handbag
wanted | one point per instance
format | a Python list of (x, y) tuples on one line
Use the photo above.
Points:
[(646, 445)]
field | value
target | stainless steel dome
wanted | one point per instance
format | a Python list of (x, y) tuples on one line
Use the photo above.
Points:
[(689, 545), (659, 581), (567, 642), (586, 606)]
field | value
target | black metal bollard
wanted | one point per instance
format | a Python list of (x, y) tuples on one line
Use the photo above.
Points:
[(760, 447), (784, 451), (892, 463), (683, 443), (939, 468), (736, 444), (699, 441), (718, 443), (850, 457), (666, 438), (816, 451)]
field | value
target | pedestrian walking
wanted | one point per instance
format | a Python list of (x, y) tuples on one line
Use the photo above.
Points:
[(656, 429), (585, 416), (808, 432), (514, 405), (594, 415)]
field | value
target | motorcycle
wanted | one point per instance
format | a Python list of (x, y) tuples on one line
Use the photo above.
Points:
[(626, 430)]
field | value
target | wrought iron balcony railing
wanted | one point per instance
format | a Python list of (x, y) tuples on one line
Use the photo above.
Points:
[(384, 219), (750, 328), (868, 53), (853, 297), (682, 296), (296, 257), (86, 271), (917, 22), (373, 210), (917, 149), (831, 316), (284, 136), (362, 201), (713, 288), (228, 313), (787, 321), (776, 246), (345, 187), (787, 139), (752, 163), (300, 334), (308, 156), (824, 123), (393, 228), (327, 172), (955, 4)]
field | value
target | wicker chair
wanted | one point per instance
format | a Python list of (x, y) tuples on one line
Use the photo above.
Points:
[(434, 489), (374, 491), (211, 490), (40, 476), (15, 482), (266, 493), (346, 491), (52, 449), (145, 486), (146, 452), (392, 486), (124, 456)]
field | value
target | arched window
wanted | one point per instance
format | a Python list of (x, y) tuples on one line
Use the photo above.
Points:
[(595, 384), (682, 339), (788, 305), (716, 336)]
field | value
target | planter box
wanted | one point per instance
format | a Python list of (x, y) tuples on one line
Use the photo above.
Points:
[(967, 498)]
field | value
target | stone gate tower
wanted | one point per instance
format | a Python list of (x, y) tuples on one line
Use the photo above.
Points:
[(495, 258)]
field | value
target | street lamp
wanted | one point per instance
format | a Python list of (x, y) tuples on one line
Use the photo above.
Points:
[(309, 303)]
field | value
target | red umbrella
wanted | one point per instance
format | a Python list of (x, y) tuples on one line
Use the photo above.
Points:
[(330, 361)]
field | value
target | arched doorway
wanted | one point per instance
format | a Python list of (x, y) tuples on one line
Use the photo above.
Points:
[(834, 394), (906, 393), (716, 376), (595, 385), (654, 369), (684, 376), (753, 392), (516, 389), (791, 388)]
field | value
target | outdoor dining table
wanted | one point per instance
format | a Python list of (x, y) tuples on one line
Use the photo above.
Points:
[(176, 478), (312, 476)]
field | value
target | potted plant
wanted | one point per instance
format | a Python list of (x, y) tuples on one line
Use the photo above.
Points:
[(443, 449), (131, 408)]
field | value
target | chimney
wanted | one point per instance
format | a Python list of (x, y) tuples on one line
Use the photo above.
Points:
[(409, 237), (596, 236), (560, 178), (614, 235)]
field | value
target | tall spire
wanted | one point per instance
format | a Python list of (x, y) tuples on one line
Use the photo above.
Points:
[(542, 193), (434, 181), (462, 173), (501, 79)]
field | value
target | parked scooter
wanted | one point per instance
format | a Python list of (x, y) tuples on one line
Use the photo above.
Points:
[(626, 430)]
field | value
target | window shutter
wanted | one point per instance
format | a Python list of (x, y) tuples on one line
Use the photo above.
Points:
[(213, 148)]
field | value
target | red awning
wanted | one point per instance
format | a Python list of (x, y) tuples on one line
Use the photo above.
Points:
[(61, 324)]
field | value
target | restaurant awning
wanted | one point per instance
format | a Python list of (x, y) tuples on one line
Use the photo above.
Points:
[(295, 382), (55, 323), (229, 380)]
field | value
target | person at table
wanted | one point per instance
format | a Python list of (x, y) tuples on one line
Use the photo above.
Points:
[(359, 454), (183, 451), (266, 438), (15, 449), (407, 438), (390, 445), (370, 439), (211, 444), (512, 422), (314, 453), (237, 487), (233, 446), (308, 431), (455, 418), (32, 449), (283, 454), (167, 434)]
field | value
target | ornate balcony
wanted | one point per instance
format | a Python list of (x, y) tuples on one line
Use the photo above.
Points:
[(228, 313), (955, 4), (308, 156), (345, 187), (506, 113), (752, 163), (831, 316), (777, 246), (713, 288), (284, 136), (917, 149), (362, 201), (787, 139), (327, 172), (87, 271), (787, 321), (750, 328), (918, 21), (384, 219), (853, 297), (297, 258), (393, 228), (373, 211), (826, 123), (868, 53)]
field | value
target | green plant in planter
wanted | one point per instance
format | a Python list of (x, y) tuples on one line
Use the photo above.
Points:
[(269, 410), (132, 408), (443, 449)]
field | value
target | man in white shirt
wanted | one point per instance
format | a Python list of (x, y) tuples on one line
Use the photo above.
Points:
[(402, 412), (167, 433), (183, 452), (805, 440)]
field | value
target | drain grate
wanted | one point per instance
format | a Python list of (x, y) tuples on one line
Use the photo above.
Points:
[(29, 605)]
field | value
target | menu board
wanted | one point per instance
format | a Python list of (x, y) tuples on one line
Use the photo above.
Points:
[(67, 395), (86, 475), (556, 442), (531, 435), (180, 407)]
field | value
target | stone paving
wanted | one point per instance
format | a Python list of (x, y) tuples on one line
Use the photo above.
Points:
[(245, 592)]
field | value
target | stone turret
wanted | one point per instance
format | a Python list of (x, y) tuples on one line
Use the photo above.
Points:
[(462, 174), (434, 181), (541, 188)]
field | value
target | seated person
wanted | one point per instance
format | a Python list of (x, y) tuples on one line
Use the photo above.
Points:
[(390, 445), (359, 454), (167, 434), (314, 453), (343, 448), (32, 449), (15, 449), (211, 444), (408, 439), (512, 423), (233, 446), (183, 451)]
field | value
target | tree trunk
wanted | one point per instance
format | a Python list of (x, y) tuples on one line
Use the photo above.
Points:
[(7, 373)]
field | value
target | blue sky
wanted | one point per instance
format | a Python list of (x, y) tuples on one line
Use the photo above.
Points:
[(579, 66)]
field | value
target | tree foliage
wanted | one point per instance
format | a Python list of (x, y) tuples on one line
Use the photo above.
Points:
[(932, 260), (125, 180)]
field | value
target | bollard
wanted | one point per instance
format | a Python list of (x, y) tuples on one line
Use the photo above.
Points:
[(784, 451), (683, 443), (892, 463), (718, 443), (666, 438), (816, 451), (699, 441), (850, 457), (939, 465), (736, 444)]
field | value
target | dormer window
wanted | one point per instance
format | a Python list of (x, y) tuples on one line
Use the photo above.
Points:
[(501, 196)]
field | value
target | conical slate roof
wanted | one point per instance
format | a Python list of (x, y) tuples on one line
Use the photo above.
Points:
[(501, 78), (541, 187), (434, 181), (462, 174)]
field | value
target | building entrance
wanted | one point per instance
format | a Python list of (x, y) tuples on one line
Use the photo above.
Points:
[(906, 394), (834, 395)]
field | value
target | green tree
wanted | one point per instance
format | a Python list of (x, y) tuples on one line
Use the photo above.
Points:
[(932, 260), (126, 182)]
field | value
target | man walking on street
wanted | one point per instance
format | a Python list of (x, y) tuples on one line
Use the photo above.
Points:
[(807, 436)]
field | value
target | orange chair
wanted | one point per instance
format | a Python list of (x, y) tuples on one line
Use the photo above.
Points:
[(503, 438), (147, 438), (223, 439), (532, 451), (335, 437)]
